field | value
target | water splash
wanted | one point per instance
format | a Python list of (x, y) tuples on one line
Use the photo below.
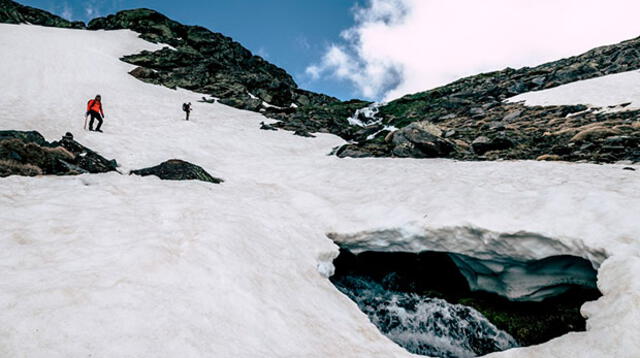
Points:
[(366, 116), (424, 325)]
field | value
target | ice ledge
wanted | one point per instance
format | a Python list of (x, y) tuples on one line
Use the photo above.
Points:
[(519, 266)]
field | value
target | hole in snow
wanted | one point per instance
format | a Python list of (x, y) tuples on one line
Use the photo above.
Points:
[(451, 305)]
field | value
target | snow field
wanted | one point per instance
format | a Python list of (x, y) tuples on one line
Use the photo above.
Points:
[(112, 265)]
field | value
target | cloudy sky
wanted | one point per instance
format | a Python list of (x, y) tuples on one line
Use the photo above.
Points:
[(383, 49)]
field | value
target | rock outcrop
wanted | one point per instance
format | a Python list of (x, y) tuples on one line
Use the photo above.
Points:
[(568, 133), (176, 169), (474, 112), (14, 13), (474, 121), (323, 118), (206, 62), (29, 154)]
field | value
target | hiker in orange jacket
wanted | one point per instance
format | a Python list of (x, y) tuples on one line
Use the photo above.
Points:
[(94, 109)]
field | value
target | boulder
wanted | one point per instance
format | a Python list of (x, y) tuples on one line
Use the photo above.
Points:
[(421, 140), (267, 127), (548, 157), (85, 158), (28, 154), (303, 133), (594, 133), (176, 169), (145, 74), (484, 144)]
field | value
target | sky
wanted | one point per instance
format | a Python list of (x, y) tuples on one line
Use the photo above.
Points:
[(383, 49)]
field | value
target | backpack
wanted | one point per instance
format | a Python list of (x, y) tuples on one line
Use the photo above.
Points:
[(185, 107)]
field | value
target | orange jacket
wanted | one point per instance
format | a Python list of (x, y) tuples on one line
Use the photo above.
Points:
[(95, 106)]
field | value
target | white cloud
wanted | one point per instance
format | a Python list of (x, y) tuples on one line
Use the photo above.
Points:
[(404, 46), (67, 12), (262, 52), (92, 8)]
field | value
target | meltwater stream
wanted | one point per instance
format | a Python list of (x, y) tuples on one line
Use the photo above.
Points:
[(424, 325), (449, 305)]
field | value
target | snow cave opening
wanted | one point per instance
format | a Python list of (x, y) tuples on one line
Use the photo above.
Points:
[(455, 306)]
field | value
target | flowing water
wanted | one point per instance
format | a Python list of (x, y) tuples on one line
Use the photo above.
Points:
[(424, 325)]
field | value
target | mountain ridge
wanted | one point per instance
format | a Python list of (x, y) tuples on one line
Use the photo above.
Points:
[(467, 119)]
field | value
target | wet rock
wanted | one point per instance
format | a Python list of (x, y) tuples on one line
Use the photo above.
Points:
[(176, 169)]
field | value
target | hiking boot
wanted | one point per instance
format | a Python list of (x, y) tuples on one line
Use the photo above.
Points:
[(99, 130)]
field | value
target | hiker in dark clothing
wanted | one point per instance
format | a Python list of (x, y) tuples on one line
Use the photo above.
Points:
[(186, 107), (94, 109)]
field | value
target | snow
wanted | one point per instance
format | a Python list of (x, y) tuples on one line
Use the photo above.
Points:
[(116, 265), (605, 91)]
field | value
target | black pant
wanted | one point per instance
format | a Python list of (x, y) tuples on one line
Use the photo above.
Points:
[(187, 112), (95, 115)]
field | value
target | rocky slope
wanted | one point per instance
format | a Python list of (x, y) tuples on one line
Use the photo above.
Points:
[(469, 119), (14, 13), (206, 62), (199, 60)]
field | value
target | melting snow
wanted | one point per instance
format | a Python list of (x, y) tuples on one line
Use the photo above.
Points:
[(112, 265), (606, 91)]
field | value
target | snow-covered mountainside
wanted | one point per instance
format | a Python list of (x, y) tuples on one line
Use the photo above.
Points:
[(611, 90), (472, 118), (111, 265)]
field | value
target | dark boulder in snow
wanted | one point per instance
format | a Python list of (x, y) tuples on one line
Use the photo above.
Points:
[(85, 158), (267, 127), (176, 169), (29, 154)]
